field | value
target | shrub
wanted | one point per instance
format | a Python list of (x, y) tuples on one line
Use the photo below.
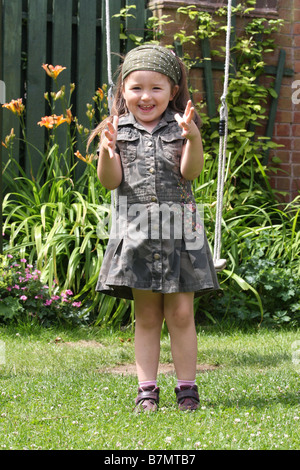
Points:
[(23, 295)]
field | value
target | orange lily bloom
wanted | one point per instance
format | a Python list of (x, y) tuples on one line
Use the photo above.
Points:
[(100, 93), (87, 159), (9, 138), (52, 71), (16, 106), (52, 121), (69, 117)]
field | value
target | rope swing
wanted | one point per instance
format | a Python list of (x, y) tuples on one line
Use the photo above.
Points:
[(219, 263)]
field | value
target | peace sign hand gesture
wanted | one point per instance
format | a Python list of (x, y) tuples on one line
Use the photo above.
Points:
[(189, 128), (111, 136)]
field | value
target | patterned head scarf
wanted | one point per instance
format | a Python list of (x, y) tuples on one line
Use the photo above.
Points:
[(154, 58)]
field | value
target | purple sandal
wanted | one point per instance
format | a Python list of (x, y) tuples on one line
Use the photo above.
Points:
[(187, 398), (147, 399)]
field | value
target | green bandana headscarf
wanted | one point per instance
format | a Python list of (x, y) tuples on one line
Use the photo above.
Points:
[(154, 58)]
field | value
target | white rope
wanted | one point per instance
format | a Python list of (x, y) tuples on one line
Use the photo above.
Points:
[(110, 97), (221, 263), (108, 49)]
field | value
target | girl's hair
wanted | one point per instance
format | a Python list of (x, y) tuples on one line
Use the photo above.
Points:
[(119, 107)]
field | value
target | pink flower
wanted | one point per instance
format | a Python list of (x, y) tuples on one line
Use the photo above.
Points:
[(55, 297), (76, 304), (69, 292), (48, 302), (23, 297), (16, 286), (10, 256), (23, 260)]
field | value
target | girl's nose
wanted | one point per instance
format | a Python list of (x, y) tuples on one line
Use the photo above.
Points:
[(146, 95)]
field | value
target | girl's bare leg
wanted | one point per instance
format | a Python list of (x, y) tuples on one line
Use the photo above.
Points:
[(148, 324), (179, 315)]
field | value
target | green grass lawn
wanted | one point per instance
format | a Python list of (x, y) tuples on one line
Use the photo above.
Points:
[(56, 394)]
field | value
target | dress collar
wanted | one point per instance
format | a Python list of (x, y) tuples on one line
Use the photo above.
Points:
[(129, 119)]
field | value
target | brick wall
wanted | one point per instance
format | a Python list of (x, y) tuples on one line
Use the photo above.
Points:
[(287, 126)]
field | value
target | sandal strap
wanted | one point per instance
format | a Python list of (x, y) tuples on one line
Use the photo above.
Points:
[(187, 393), (148, 395)]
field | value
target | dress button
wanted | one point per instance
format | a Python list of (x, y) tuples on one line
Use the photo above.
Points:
[(157, 256), (151, 170), (154, 199)]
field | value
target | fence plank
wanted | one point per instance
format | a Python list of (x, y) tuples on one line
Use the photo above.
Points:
[(135, 25), (62, 38), (62, 55), (208, 78), (86, 66), (12, 16), (36, 78)]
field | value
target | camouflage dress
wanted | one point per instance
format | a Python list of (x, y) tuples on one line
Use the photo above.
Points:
[(157, 240)]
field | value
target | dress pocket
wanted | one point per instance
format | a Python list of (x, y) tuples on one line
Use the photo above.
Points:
[(127, 143), (172, 146)]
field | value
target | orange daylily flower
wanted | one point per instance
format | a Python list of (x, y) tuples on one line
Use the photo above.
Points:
[(16, 106), (52, 121), (69, 117), (100, 93), (9, 138), (87, 159), (52, 71)]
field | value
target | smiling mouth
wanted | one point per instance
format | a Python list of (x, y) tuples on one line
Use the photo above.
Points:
[(146, 108)]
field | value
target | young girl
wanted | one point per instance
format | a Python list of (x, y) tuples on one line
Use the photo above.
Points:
[(158, 255)]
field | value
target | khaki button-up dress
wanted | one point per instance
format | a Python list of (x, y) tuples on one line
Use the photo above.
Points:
[(157, 240)]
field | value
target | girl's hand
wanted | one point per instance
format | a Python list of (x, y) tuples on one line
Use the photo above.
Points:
[(188, 126), (111, 136)]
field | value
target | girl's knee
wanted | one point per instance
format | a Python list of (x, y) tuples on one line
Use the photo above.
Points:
[(148, 309), (149, 317), (181, 318), (179, 311), (149, 322)]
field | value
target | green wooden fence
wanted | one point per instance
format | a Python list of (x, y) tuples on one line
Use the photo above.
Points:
[(71, 33)]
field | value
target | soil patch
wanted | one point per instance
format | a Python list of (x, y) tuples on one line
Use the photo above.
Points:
[(79, 344), (130, 369)]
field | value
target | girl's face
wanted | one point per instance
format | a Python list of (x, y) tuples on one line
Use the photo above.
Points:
[(147, 95)]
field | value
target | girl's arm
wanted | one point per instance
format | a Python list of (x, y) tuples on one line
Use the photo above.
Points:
[(109, 163), (192, 161)]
